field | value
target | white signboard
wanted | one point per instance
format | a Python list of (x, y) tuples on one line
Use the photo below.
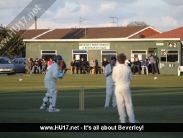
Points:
[(159, 44), (94, 46)]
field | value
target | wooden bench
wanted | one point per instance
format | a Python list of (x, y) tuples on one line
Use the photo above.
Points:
[(180, 69)]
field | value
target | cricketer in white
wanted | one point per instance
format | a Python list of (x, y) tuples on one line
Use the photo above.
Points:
[(110, 84), (122, 77), (50, 83)]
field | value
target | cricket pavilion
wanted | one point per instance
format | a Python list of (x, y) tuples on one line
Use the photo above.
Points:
[(97, 43)]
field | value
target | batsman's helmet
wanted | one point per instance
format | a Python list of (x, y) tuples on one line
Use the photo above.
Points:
[(57, 58)]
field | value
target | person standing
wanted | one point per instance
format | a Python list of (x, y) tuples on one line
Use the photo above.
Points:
[(28, 66), (73, 65), (153, 64), (104, 63), (122, 77), (82, 66), (110, 84), (50, 83)]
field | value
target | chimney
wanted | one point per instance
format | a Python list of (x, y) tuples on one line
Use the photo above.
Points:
[(35, 19)]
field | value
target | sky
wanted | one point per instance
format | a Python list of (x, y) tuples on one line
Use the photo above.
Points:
[(163, 15)]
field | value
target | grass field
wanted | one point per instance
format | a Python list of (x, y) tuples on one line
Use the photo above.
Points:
[(155, 101)]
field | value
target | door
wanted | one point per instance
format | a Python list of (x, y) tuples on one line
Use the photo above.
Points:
[(153, 51)]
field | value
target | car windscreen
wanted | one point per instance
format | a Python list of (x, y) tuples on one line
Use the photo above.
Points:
[(5, 61)]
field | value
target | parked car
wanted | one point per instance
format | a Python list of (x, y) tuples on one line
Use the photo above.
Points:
[(6, 66), (20, 64)]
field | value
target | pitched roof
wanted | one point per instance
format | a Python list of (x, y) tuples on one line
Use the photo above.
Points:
[(175, 33), (29, 34), (92, 33)]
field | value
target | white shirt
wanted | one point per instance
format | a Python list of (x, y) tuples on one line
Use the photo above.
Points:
[(122, 75), (127, 62), (51, 76), (109, 80)]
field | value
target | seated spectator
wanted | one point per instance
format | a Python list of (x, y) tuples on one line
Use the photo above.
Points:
[(44, 65), (28, 66), (82, 66), (127, 62), (73, 65), (104, 63), (50, 62), (77, 65), (36, 66), (87, 67), (145, 65), (63, 66), (136, 65), (92, 67)]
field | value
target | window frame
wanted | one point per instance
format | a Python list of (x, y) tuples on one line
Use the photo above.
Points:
[(112, 54), (171, 54)]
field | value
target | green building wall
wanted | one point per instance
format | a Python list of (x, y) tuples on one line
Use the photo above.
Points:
[(33, 50)]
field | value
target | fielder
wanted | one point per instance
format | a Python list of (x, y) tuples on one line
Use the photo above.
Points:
[(110, 84), (50, 83), (122, 77)]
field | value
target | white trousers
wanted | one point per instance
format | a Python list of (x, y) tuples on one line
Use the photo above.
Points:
[(123, 99), (51, 97), (145, 67), (110, 93)]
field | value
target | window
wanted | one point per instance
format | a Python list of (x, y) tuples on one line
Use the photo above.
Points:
[(172, 56), (47, 54), (108, 54), (140, 54), (78, 54), (163, 59)]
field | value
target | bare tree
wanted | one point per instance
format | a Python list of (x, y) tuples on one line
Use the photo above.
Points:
[(137, 23)]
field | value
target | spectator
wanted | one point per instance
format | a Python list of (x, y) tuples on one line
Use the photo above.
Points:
[(145, 65), (153, 61), (136, 66), (36, 66), (28, 66), (50, 62), (77, 65), (127, 62), (92, 66), (44, 65), (73, 65), (156, 63), (82, 66), (63, 66), (104, 63)]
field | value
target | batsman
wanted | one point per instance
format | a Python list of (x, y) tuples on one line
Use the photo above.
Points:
[(54, 72)]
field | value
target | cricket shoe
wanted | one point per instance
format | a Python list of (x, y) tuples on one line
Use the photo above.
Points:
[(135, 121), (106, 108), (53, 110), (43, 107), (115, 107)]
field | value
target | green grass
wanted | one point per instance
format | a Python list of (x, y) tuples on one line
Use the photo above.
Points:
[(155, 101)]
